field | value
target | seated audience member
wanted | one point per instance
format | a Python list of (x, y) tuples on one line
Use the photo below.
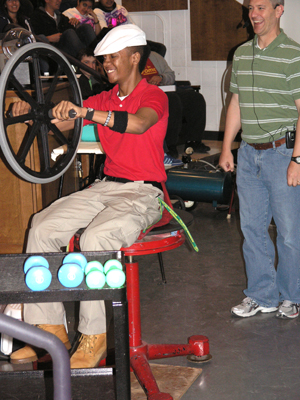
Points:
[(85, 14), (185, 106), (12, 12), (111, 14), (66, 34), (131, 120), (88, 84)]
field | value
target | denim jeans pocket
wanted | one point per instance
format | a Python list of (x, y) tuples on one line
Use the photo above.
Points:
[(240, 151), (282, 150)]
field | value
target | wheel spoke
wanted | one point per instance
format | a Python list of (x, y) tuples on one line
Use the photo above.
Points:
[(37, 80), (58, 134), (28, 150), (22, 92), (45, 147), (27, 142), (52, 86)]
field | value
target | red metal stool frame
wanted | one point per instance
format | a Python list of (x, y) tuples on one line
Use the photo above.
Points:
[(160, 239)]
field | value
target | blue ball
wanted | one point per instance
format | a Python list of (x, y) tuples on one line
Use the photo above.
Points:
[(70, 275), (33, 261), (76, 258), (38, 278)]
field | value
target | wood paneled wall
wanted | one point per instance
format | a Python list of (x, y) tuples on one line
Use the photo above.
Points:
[(214, 28), (154, 5)]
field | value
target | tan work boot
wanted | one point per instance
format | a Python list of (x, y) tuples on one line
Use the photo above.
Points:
[(91, 350), (28, 354)]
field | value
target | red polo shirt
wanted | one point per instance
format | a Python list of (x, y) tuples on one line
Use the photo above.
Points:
[(131, 156)]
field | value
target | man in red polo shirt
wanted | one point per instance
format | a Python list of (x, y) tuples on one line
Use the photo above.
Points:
[(132, 121)]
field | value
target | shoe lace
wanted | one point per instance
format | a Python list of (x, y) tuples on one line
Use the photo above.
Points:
[(87, 343), (248, 300)]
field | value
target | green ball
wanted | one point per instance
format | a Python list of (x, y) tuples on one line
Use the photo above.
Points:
[(95, 279), (115, 278), (93, 266), (112, 263)]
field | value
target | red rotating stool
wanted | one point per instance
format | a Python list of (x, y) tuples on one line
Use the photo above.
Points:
[(160, 239)]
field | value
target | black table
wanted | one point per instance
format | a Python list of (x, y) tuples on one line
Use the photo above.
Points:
[(14, 290)]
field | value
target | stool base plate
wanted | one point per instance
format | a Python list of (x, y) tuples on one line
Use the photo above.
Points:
[(199, 360)]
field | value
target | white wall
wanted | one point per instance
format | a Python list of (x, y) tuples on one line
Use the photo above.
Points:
[(173, 29)]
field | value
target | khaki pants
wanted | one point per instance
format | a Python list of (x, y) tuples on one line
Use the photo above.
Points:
[(113, 214)]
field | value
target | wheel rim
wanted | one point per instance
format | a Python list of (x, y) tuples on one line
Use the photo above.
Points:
[(30, 158)]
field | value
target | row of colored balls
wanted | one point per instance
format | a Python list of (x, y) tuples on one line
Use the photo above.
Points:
[(71, 274)]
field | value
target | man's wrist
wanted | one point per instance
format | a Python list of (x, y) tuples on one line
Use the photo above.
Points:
[(226, 148), (296, 159)]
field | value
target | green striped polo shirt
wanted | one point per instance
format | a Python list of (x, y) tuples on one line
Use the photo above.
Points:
[(268, 83)]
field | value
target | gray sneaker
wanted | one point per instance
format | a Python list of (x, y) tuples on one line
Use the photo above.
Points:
[(288, 310), (249, 307)]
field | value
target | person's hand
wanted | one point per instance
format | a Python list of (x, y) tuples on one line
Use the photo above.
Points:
[(226, 161), (92, 14), (155, 80), (61, 111), (54, 38), (293, 174), (20, 108), (74, 21)]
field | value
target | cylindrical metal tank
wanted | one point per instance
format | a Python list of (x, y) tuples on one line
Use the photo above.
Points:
[(201, 186)]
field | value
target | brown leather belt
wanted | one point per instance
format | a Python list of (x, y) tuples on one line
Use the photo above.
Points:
[(268, 145)]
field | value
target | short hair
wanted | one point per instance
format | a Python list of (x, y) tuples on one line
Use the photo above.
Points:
[(277, 2), (144, 52), (85, 52)]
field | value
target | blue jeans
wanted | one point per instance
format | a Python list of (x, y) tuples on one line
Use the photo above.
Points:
[(264, 193)]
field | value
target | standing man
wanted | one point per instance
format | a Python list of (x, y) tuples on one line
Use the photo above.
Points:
[(132, 121), (265, 102)]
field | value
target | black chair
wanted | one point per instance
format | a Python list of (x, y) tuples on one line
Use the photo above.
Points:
[(157, 47)]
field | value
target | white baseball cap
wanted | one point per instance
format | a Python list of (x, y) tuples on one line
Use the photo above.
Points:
[(119, 38)]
